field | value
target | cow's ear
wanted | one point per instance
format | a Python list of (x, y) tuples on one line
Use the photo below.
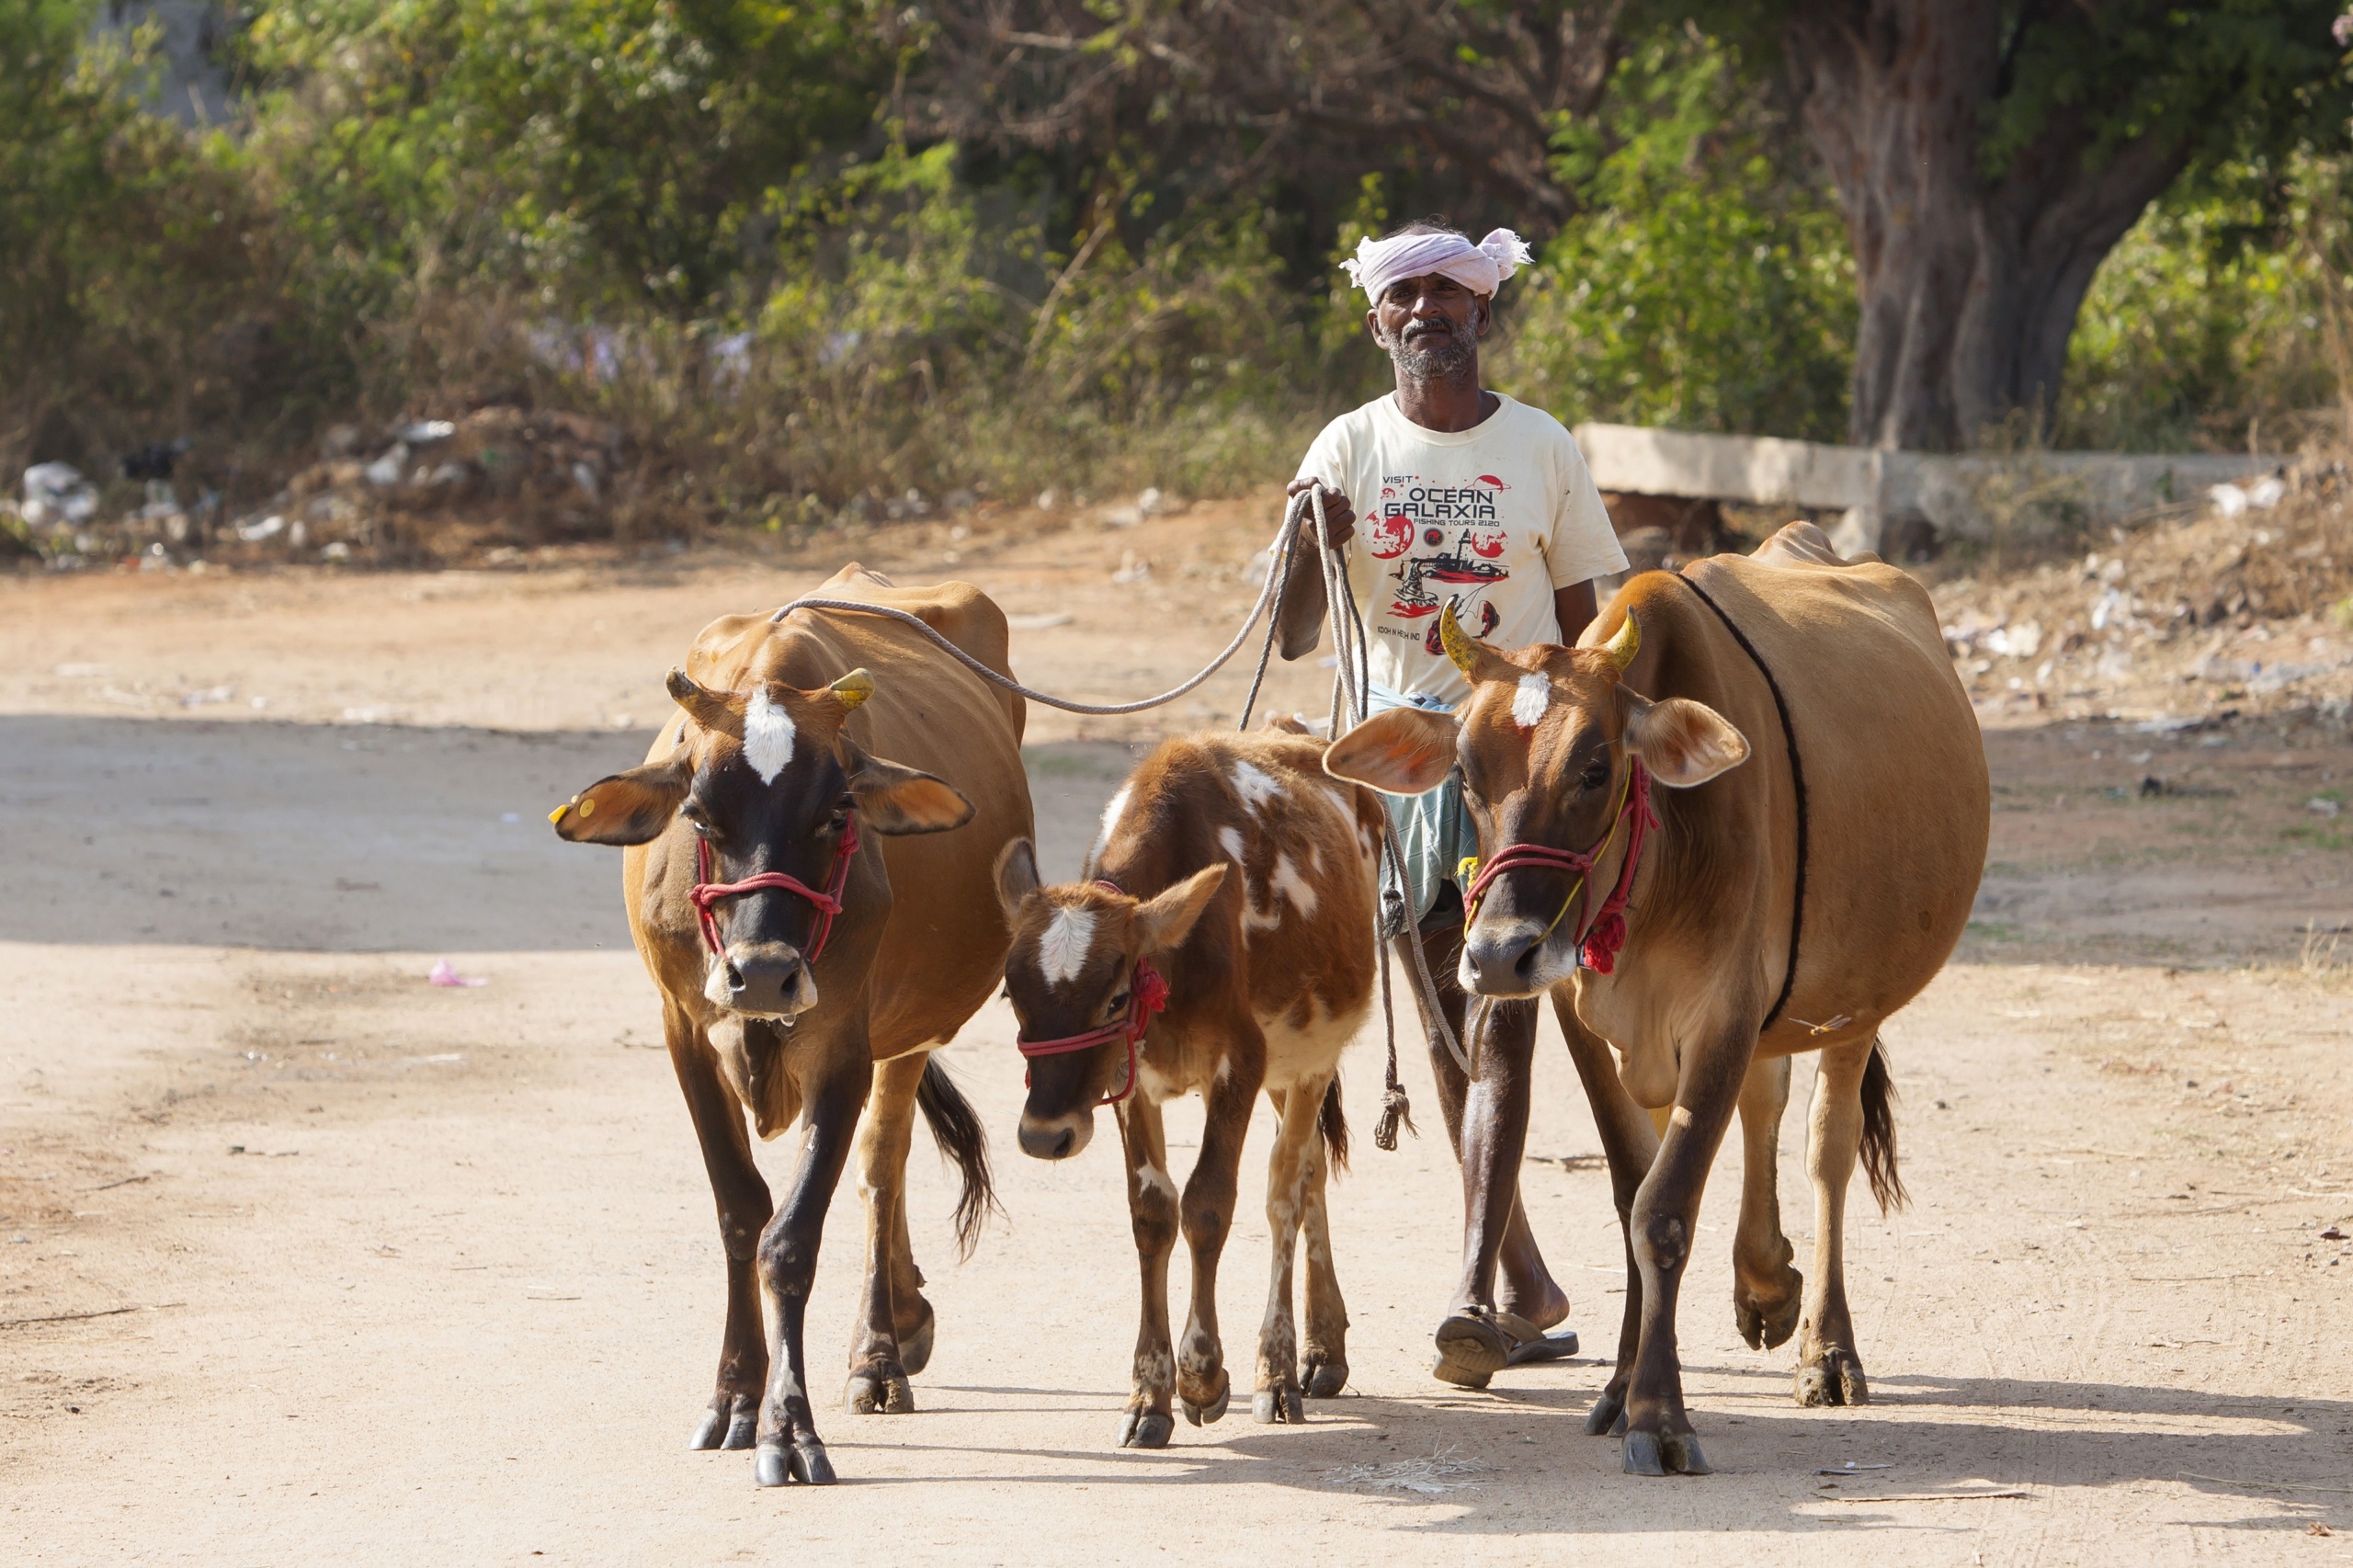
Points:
[(1406, 751), (1016, 877), (628, 808), (1164, 922), (1682, 743), (894, 799)]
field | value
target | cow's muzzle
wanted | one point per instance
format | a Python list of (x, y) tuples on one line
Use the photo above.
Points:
[(1504, 958), (1056, 1137), (763, 980)]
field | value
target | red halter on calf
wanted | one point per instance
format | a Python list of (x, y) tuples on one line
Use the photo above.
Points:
[(1148, 995), (708, 892), (1599, 941)]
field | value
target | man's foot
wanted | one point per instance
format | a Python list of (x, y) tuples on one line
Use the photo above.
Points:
[(1474, 1344)]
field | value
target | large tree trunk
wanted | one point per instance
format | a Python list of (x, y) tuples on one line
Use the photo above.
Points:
[(1970, 280)]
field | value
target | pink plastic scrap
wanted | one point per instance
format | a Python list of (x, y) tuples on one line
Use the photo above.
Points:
[(444, 973)]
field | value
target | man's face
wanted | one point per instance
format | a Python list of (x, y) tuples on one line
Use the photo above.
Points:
[(1430, 325)]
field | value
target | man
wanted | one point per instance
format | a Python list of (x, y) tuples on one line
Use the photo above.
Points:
[(1467, 496)]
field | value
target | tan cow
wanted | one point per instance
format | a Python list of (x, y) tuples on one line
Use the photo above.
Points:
[(1815, 835), (1233, 883), (812, 945)]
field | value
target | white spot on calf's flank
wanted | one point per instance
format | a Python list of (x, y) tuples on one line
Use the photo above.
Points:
[(1293, 886), (1529, 700), (768, 736), (1255, 785), (1061, 950), (1119, 804), (1230, 842)]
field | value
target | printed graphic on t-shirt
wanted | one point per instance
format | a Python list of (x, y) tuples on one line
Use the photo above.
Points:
[(1445, 541)]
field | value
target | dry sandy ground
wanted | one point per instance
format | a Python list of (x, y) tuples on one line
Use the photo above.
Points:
[(302, 1259)]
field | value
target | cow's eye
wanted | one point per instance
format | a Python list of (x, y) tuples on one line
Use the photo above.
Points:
[(1119, 1003), (842, 808), (695, 817), (1595, 774)]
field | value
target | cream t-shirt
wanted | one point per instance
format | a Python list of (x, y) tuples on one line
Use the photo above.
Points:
[(1495, 518)]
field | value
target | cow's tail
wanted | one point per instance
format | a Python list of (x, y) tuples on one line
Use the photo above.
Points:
[(965, 1144), (1878, 1131), (1333, 1122)]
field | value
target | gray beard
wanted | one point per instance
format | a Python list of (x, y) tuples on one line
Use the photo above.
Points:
[(1456, 354)]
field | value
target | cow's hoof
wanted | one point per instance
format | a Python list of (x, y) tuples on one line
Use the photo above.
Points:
[(1835, 1376), (1325, 1378), (728, 1424), (1767, 1325), (1277, 1407), (804, 1461), (1671, 1453), (915, 1348), (1208, 1412), (878, 1394), (1607, 1418), (1146, 1429)]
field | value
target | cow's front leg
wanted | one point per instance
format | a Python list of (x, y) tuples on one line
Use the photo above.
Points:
[(788, 1446), (1659, 1440), (743, 1208), (1765, 1288), (877, 1383), (1528, 1289), (1829, 1372), (1202, 1383), (1276, 1395), (1152, 1211), (1323, 1368), (1630, 1144), (1471, 1346)]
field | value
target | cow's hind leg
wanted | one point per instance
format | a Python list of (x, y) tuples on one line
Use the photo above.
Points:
[(1829, 1372), (877, 1381), (1203, 1385), (1324, 1363), (1152, 1209), (744, 1207), (1276, 1396), (1765, 1291), (1629, 1143), (790, 1448)]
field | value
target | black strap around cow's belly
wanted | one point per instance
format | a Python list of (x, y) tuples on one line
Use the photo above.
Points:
[(1797, 777)]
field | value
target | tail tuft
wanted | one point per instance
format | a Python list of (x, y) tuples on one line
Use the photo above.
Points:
[(963, 1143), (1334, 1123), (1878, 1132)]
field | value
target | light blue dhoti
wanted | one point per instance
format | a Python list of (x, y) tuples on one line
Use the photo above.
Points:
[(1433, 832)]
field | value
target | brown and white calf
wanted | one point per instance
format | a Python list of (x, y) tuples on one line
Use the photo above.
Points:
[(1231, 870)]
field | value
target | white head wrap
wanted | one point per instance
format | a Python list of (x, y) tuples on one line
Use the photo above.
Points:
[(1480, 268)]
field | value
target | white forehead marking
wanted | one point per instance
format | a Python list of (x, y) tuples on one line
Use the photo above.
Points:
[(1119, 804), (1256, 787), (1062, 951), (768, 736), (1230, 842), (1529, 701), (1293, 886)]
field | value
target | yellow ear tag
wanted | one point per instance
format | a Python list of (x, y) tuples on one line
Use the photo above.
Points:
[(588, 806), (852, 689), (556, 816)]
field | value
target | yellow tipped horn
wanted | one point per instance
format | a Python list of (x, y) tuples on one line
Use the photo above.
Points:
[(852, 689), (1622, 647), (1457, 643)]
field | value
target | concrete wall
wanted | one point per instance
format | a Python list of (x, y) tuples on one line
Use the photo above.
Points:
[(1959, 497), (192, 78)]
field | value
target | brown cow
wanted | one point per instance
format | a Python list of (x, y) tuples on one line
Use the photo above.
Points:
[(1234, 882), (1812, 857), (812, 945)]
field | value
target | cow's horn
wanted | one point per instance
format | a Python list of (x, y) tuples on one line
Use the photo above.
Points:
[(852, 689), (1622, 647), (1458, 642), (704, 706)]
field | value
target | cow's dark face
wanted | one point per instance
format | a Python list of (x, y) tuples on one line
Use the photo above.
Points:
[(1545, 743), (1072, 971), (766, 781)]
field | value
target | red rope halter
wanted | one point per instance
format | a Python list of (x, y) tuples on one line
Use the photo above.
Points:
[(1599, 939), (1147, 995), (707, 893)]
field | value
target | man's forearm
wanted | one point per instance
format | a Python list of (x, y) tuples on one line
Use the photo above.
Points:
[(1573, 607)]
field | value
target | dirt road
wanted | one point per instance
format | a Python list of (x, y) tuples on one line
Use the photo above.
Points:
[(302, 1259)]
